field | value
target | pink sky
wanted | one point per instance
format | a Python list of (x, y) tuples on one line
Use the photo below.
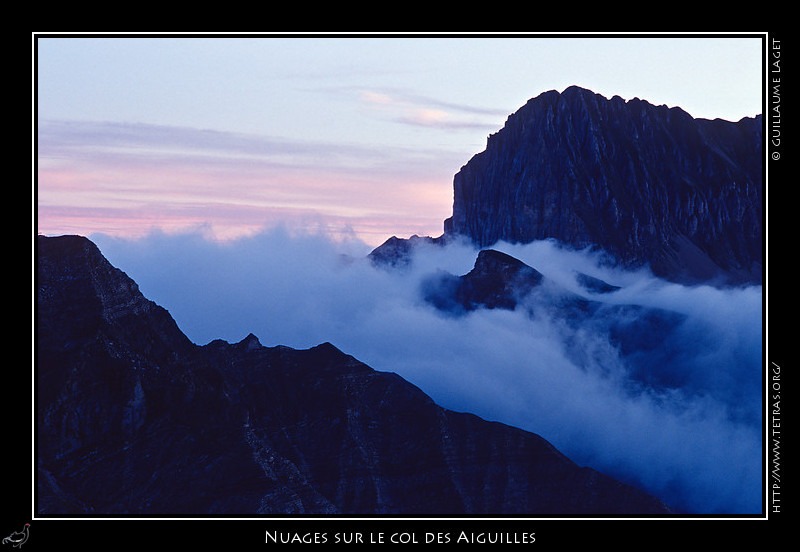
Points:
[(126, 180)]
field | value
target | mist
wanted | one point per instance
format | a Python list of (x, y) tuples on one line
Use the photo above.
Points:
[(681, 420)]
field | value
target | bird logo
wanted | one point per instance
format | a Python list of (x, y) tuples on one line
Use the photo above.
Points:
[(18, 538)]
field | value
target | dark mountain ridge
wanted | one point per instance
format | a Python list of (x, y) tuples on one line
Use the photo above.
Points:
[(134, 419), (649, 185)]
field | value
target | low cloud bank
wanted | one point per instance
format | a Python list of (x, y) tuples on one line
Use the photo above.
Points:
[(681, 419)]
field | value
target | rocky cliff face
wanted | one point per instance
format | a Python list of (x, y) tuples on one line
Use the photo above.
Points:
[(133, 418), (649, 185)]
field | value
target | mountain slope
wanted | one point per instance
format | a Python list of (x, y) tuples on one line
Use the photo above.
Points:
[(133, 418), (648, 185)]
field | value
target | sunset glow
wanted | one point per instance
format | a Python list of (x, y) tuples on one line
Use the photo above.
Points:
[(100, 178)]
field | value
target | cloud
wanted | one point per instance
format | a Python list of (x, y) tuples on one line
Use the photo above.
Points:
[(690, 434), (418, 110), (378, 98)]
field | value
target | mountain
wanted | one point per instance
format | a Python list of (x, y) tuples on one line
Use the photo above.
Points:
[(500, 281), (397, 252), (649, 185), (497, 280), (135, 419)]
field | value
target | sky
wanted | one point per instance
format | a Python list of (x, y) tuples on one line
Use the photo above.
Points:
[(242, 181), (352, 135)]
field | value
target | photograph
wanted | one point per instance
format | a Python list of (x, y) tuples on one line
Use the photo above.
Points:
[(400, 288)]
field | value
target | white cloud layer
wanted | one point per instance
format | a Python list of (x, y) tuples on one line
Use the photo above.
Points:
[(694, 439)]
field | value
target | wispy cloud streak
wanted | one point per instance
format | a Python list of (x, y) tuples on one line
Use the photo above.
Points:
[(418, 110)]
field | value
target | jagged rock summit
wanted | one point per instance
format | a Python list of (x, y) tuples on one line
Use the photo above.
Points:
[(398, 252), (497, 280), (134, 419), (649, 185)]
